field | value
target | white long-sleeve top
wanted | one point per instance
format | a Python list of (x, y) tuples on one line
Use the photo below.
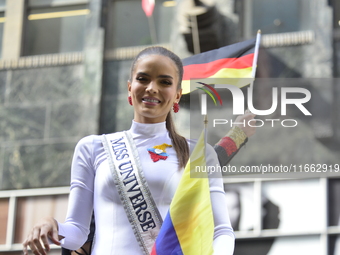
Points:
[(93, 188)]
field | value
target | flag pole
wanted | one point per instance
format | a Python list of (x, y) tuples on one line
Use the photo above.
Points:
[(205, 121), (256, 54), (195, 34), (152, 29)]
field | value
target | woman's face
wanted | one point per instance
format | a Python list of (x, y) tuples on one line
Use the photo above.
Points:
[(153, 88)]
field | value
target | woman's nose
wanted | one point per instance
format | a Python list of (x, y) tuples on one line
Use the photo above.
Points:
[(152, 87)]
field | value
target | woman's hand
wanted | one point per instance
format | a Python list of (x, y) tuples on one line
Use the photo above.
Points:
[(38, 239), (244, 119)]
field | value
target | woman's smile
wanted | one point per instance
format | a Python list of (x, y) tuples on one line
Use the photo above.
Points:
[(151, 100), (154, 88)]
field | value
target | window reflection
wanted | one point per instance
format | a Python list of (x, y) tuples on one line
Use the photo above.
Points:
[(67, 24), (334, 245), (334, 202), (31, 209), (296, 202), (2, 3), (241, 207), (295, 245), (129, 25), (280, 16)]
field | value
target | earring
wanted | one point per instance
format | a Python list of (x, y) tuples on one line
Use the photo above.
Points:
[(175, 107), (130, 100)]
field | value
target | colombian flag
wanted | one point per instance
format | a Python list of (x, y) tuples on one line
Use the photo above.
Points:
[(234, 62), (188, 228)]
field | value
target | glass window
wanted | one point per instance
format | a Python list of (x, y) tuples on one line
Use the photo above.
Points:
[(295, 201), (31, 209), (2, 4), (55, 2), (334, 245), (279, 246), (251, 247), (55, 30), (241, 207), (279, 16), (334, 202), (296, 245), (131, 27)]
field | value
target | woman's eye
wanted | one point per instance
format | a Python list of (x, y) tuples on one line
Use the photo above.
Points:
[(141, 79), (166, 82)]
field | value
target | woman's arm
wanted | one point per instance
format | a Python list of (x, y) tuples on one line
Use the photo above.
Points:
[(86, 248), (80, 206), (224, 245), (73, 233), (235, 139), (223, 232), (224, 239)]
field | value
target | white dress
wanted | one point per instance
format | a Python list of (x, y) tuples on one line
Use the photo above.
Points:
[(92, 188)]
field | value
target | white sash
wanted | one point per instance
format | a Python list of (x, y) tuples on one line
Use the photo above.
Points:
[(132, 187)]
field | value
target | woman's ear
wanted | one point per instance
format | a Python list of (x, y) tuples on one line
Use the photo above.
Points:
[(129, 86), (178, 95)]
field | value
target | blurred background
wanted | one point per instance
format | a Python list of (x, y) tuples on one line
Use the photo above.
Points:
[(64, 66)]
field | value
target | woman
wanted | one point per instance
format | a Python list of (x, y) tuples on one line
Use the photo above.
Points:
[(154, 89)]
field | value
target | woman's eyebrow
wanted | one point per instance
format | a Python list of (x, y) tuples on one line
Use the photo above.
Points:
[(159, 76), (142, 73), (165, 76)]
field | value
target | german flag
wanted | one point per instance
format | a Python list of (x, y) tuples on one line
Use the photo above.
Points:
[(233, 62)]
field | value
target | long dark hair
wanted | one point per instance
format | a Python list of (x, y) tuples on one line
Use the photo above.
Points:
[(179, 142)]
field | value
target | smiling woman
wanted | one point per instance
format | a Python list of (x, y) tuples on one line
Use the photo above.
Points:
[(134, 172), (154, 88)]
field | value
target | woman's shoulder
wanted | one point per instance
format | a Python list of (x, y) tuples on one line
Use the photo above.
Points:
[(89, 140), (92, 139), (89, 145)]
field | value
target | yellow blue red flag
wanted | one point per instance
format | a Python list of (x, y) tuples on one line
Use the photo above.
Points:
[(188, 228)]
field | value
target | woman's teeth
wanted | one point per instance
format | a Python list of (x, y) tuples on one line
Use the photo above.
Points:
[(151, 100)]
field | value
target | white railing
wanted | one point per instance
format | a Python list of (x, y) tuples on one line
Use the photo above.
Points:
[(12, 196), (288, 39)]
